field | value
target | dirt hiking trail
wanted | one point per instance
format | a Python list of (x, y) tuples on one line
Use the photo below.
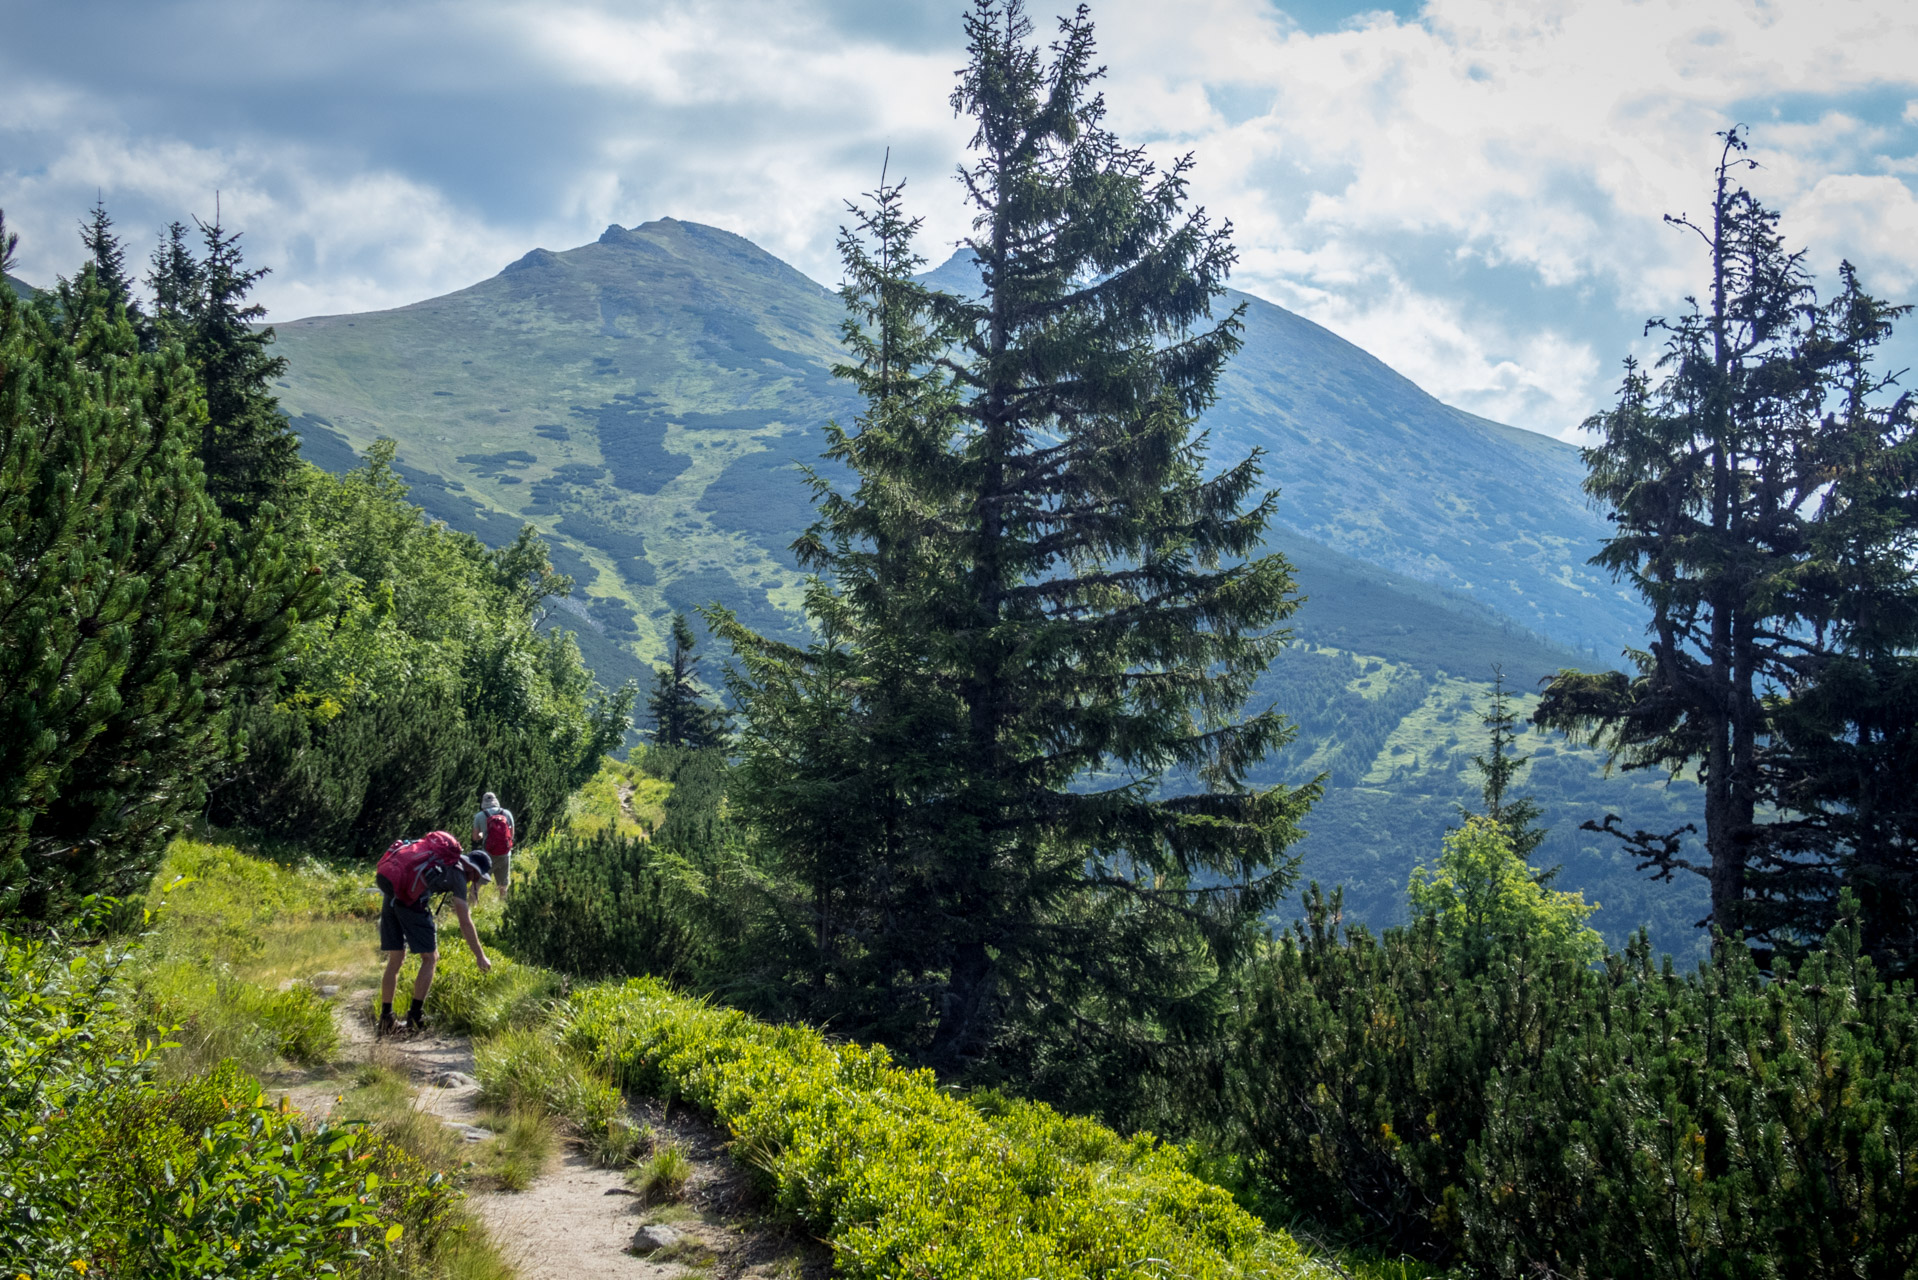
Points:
[(577, 1220)]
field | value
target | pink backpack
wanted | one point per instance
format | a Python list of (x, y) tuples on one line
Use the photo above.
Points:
[(404, 864), (499, 834)]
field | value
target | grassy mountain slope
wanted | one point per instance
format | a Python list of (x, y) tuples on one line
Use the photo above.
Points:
[(646, 401), (610, 395), (1370, 465), (20, 287)]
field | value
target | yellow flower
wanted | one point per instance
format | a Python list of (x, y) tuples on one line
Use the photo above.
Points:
[(80, 1265)]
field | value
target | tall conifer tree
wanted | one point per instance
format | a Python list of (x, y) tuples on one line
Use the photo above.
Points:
[(681, 718), (1516, 815), (1038, 612), (249, 450), (1763, 508), (173, 277), (109, 260)]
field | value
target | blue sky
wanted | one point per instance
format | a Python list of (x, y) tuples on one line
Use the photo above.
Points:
[(1471, 189)]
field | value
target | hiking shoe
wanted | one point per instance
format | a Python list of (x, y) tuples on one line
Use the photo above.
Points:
[(387, 1026), (414, 1024)]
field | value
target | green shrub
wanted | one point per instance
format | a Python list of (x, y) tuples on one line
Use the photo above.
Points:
[(103, 1169), (609, 905), (905, 1178), (1528, 1113)]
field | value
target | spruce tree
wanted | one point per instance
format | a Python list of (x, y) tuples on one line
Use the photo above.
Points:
[(1845, 741), (109, 260), (1517, 816), (1047, 616), (1728, 478), (173, 277), (249, 449), (681, 718)]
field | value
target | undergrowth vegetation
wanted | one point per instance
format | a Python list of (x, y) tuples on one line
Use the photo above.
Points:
[(107, 1169), (903, 1177), (136, 1136), (229, 968)]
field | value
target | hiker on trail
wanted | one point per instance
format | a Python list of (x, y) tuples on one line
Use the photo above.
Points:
[(409, 874), (493, 831)]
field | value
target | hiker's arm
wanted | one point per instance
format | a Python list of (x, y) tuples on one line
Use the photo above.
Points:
[(468, 932)]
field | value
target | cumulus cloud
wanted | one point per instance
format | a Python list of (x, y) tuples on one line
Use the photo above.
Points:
[(1471, 189)]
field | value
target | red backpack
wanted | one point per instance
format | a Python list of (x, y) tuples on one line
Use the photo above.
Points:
[(499, 834), (405, 863)]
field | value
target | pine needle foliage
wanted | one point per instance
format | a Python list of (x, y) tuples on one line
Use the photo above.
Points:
[(1516, 815), (1036, 611), (134, 619), (681, 717), (250, 452), (1515, 1110), (1765, 498)]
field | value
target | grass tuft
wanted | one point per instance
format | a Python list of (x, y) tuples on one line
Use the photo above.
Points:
[(524, 1068), (662, 1177), (522, 1151)]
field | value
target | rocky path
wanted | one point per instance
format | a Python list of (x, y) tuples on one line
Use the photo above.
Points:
[(579, 1221)]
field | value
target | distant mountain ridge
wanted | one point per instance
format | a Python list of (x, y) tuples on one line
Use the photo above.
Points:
[(20, 287), (646, 400), (1369, 464)]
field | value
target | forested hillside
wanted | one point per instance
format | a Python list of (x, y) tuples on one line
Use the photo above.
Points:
[(647, 400)]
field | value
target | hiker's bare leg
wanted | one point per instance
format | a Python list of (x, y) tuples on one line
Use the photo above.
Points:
[(390, 980), (424, 982)]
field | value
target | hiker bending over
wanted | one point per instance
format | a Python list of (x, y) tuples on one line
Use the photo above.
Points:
[(409, 874), (493, 831)]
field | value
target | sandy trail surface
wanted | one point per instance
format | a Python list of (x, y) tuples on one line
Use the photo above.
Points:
[(578, 1221)]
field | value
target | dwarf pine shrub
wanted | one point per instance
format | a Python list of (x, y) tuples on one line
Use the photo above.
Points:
[(1525, 1111), (609, 905)]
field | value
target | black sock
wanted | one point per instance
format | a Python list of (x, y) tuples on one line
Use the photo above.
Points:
[(386, 1009)]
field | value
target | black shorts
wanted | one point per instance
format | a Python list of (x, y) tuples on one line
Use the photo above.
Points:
[(405, 928)]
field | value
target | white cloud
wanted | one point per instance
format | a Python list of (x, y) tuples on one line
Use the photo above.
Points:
[(1541, 139), (337, 241), (1873, 219), (1474, 196)]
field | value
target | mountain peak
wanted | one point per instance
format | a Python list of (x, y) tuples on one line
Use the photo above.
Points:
[(533, 259)]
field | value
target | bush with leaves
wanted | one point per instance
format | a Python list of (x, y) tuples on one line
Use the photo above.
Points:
[(106, 1171), (902, 1176), (426, 685)]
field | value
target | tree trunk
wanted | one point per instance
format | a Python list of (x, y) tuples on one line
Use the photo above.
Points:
[(965, 998)]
